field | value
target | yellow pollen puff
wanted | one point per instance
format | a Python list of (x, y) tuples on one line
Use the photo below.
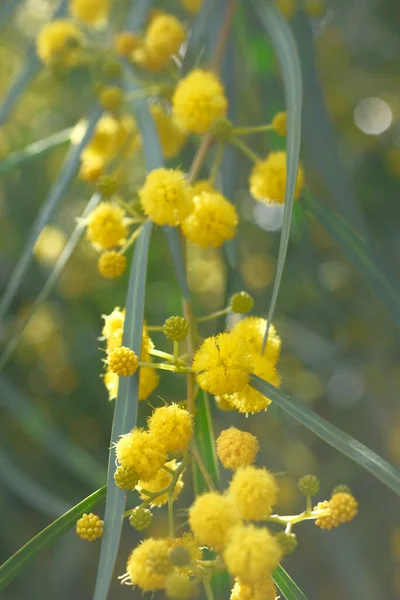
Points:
[(202, 185), (172, 426), (59, 42), (111, 264), (107, 226), (89, 527), (251, 554), (171, 136), (222, 365), (268, 179), (279, 123), (326, 521), (213, 221), (344, 507), (126, 42), (265, 591), (236, 448), (91, 12), (148, 564), (123, 361), (198, 101), (164, 36), (252, 329), (254, 491), (111, 98), (192, 6), (113, 322), (249, 400), (211, 518), (161, 480), (165, 197), (149, 380), (141, 451)]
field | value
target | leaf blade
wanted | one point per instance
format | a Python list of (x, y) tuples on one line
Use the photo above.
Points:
[(286, 585), (35, 150)]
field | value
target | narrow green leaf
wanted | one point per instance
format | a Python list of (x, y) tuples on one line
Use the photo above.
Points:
[(285, 47), (35, 150), (61, 449), (195, 49), (125, 412), (333, 436), (7, 9), (204, 435), (46, 212), (136, 20), (382, 283), (12, 567), (286, 585), (51, 281)]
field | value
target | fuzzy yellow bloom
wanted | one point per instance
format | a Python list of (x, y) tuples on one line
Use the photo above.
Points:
[(249, 400), (279, 123), (123, 361), (189, 543), (111, 98), (252, 329), (164, 36), (59, 42), (268, 179), (89, 527), (222, 365), (198, 101), (111, 264), (265, 591), (111, 382), (113, 322), (92, 168), (113, 330), (107, 226), (165, 197), (344, 507), (126, 42), (254, 491), (213, 221), (252, 554), (211, 518), (326, 521), (148, 564), (192, 6), (161, 480), (236, 448), (91, 12), (149, 380), (172, 426), (202, 185), (171, 136), (141, 451)]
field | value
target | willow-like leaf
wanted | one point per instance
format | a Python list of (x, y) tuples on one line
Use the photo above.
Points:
[(125, 412), (46, 212), (12, 567), (35, 150), (333, 436), (204, 435), (285, 46), (286, 585)]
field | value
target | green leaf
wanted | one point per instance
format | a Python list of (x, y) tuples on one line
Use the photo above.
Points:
[(286, 585), (7, 9), (382, 283), (204, 435), (285, 46), (35, 150), (46, 212), (11, 568), (125, 412), (333, 436)]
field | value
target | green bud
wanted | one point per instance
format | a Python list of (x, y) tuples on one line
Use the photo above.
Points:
[(287, 541), (140, 518), (107, 185), (241, 303), (176, 329), (126, 478), (179, 556), (309, 485), (341, 489), (223, 130)]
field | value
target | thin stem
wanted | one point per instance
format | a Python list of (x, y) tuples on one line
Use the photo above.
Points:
[(214, 315), (202, 467), (254, 129), (219, 153), (223, 36), (200, 156), (171, 527), (161, 366), (154, 327), (161, 354), (309, 504), (208, 589), (131, 240), (246, 150), (176, 352)]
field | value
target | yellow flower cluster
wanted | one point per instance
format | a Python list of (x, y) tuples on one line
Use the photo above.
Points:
[(107, 226), (212, 222), (265, 591), (60, 43), (89, 527), (166, 197), (268, 179), (341, 508), (90, 12), (236, 448), (123, 361)]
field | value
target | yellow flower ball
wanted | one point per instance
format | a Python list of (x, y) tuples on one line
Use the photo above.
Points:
[(192, 6), (59, 42), (252, 554), (252, 330), (211, 518), (213, 221), (236, 448), (107, 226), (268, 179), (91, 12), (111, 264), (325, 521), (202, 185), (198, 101), (114, 135), (149, 380), (279, 123), (148, 565), (91, 168), (141, 451), (165, 197), (172, 426), (164, 36), (123, 361), (222, 365), (89, 527), (344, 507), (161, 480), (254, 491), (171, 136), (249, 400), (126, 42), (265, 591)]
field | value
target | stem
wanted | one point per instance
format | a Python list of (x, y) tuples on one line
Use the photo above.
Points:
[(214, 315), (309, 504), (200, 157), (219, 153), (154, 327), (175, 357), (246, 150), (161, 354), (223, 36), (208, 589), (161, 366), (200, 463), (131, 240), (254, 129), (171, 527)]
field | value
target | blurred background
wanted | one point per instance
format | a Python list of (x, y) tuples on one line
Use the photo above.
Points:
[(340, 347)]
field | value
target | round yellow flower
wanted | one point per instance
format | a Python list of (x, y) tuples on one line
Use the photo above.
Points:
[(59, 42), (211, 518), (123, 361), (164, 36), (268, 179), (171, 136), (236, 448), (148, 382), (192, 6), (89, 527), (111, 264), (344, 507), (107, 226), (279, 123), (91, 12), (198, 101), (172, 426), (252, 330), (161, 480), (148, 564), (265, 591), (326, 521), (254, 491), (213, 221), (252, 554), (249, 400), (111, 381), (202, 185), (126, 42), (141, 451), (165, 197), (222, 365)]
